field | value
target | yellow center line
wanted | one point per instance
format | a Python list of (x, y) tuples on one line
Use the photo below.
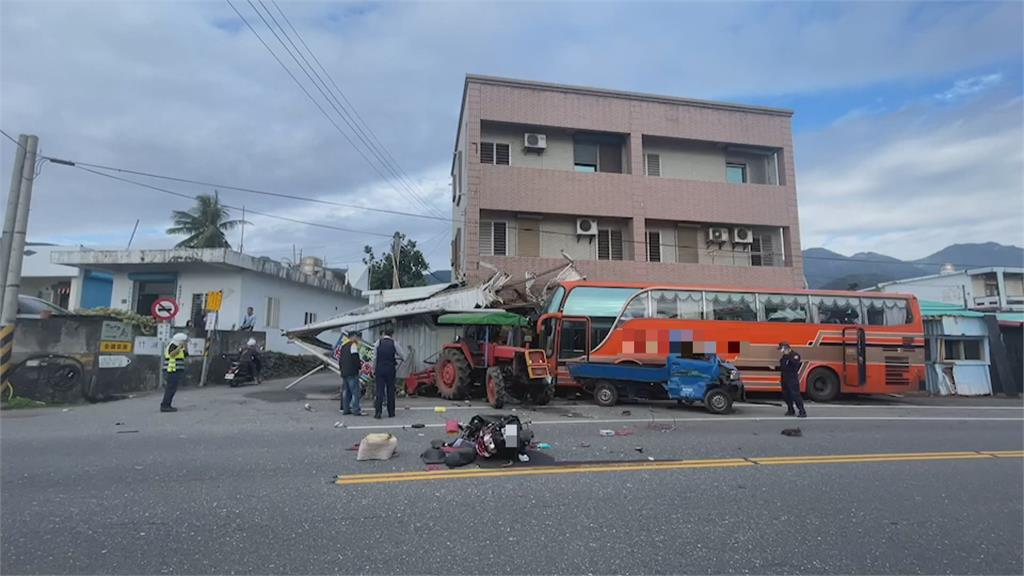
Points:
[(389, 477)]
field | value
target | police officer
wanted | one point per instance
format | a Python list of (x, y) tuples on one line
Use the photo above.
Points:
[(387, 355), (174, 366), (789, 365)]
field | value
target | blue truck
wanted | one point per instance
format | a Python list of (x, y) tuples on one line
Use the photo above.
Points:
[(687, 380)]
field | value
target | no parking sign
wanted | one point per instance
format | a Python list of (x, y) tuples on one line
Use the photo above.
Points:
[(164, 309)]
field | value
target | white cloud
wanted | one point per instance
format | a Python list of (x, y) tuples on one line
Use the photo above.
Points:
[(970, 86)]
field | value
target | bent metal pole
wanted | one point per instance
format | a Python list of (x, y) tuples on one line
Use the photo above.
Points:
[(10, 302)]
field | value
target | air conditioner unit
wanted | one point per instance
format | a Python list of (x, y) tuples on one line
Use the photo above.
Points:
[(586, 227), (718, 234), (533, 141), (742, 235)]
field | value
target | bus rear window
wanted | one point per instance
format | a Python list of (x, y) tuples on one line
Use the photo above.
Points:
[(597, 301)]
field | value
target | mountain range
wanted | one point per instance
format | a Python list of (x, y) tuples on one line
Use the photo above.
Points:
[(827, 269)]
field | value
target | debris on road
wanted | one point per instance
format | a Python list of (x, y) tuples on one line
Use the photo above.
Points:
[(451, 426), (606, 432), (440, 409), (544, 446), (524, 458), (339, 424), (377, 447), (66, 410), (792, 432), (639, 449), (627, 413), (419, 425), (584, 444), (624, 432), (127, 431), (308, 408)]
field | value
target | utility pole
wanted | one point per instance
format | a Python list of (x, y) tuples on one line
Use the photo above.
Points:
[(396, 249), (17, 254), (12, 211)]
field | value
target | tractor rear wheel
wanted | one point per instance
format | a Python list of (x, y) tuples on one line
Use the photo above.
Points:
[(452, 375), (496, 387)]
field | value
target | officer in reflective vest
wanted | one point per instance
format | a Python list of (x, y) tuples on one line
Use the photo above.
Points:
[(174, 366)]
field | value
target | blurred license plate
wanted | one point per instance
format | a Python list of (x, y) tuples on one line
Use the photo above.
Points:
[(229, 376)]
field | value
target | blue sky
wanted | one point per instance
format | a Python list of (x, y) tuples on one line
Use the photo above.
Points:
[(907, 127)]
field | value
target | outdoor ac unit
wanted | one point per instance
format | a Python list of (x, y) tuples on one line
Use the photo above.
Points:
[(533, 141), (742, 235), (586, 227), (718, 234)]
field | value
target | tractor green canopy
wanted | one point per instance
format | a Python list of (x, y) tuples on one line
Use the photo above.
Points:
[(498, 318)]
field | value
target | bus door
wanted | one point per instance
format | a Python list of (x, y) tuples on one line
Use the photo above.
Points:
[(855, 369), (572, 343)]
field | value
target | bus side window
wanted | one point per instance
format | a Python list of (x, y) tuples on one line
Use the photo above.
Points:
[(731, 306), (836, 309), (874, 312), (783, 307), (676, 304), (896, 313)]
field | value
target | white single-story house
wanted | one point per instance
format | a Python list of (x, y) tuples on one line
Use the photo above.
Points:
[(282, 296), (41, 278)]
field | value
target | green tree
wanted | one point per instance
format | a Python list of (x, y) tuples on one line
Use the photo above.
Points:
[(411, 266), (204, 224)]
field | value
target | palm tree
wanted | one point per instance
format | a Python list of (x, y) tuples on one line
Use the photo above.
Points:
[(204, 224)]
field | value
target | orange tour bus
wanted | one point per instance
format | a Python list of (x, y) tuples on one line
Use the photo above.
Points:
[(851, 342)]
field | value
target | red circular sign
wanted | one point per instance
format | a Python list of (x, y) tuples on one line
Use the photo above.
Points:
[(164, 309)]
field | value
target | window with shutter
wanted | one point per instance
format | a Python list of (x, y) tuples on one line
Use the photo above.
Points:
[(486, 238), (653, 246), (653, 165), (609, 244), (500, 236), (603, 245), (487, 152), (501, 154), (616, 244)]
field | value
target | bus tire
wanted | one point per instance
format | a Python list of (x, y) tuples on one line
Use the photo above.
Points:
[(822, 385), (718, 401), (605, 394)]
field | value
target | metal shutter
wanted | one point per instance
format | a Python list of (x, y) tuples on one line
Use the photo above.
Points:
[(486, 238), (501, 154), (500, 238), (653, 165), (653, 246), (487, 152)]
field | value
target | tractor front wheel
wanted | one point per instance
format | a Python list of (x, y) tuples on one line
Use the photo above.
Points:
[(496, 390), (452, 375), (542, 391)]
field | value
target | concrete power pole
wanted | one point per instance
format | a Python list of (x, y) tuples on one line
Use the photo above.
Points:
[(9, 312), (12, 211), (396, 250)]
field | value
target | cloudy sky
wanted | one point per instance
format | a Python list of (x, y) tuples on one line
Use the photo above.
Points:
[(908, 122)]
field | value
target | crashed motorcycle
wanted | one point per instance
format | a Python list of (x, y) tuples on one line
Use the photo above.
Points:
[(245, 367)]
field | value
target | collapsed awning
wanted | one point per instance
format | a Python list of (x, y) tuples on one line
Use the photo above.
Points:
[(484, 318)]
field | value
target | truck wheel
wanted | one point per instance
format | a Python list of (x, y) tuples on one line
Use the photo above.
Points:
[(605, 394), (495, 387), (718, 401), (452, 375), (822, 385)]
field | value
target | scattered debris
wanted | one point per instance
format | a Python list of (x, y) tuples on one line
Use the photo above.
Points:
[(353, 448), (524, 457), (377, 447), (627, 413), (308, 408), (420, 434), (451, 426), (127, 431), (624, 432), (118, 423), (339, 424), (639, 449), (440, 409), (651, 458), (792, 432), (584, 444), (544, 446), (66, 410), (419, 425), (606, 432)]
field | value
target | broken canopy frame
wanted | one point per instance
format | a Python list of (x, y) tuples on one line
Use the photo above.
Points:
[(464, 299)]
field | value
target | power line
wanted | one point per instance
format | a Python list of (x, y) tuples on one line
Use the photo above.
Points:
[(439, 219), (351, 107), (338, 128)]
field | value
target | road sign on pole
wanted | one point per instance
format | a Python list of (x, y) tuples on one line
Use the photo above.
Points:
[(213, 300), (164, 309)]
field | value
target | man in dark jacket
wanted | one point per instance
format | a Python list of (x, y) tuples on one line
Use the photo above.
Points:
[(387, 355), (789, 365), (350, 365)]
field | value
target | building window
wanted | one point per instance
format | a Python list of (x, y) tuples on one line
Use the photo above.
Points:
[(494, 238), (273, 312), (309, 318), (654, 165), (494, 153), (991, 286), (736, 173), (762, 250), (962, 349), (597, 153), (653, 246), (585, 156), (609, 244)]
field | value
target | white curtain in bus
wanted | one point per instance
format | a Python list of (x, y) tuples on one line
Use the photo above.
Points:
[(676, 304), (731, 306), (783, 307), (836, 309), (895, 312)]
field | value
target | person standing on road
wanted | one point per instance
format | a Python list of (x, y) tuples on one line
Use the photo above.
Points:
[(174, 366), (789, 365), (387, 355), (350, 364)]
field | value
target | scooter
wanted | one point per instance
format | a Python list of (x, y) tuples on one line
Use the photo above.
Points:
[(240, 373)]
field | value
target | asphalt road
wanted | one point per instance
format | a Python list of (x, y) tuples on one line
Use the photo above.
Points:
[(243, 481)]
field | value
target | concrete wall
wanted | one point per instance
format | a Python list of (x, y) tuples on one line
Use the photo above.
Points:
[(687, 159), (558, 155)]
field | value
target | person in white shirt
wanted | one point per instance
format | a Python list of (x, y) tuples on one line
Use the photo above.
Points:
[(249, 322)]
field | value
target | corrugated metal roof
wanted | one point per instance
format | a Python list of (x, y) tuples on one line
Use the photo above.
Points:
[(404, 294), (1010, 316), (930, 308)]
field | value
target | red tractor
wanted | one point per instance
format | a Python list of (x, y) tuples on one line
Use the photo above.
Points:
[(489, 354)]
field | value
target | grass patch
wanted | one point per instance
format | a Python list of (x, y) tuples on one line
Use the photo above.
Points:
[(20, 402)]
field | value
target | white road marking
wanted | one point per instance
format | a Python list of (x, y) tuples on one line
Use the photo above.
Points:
[(724, 419)]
